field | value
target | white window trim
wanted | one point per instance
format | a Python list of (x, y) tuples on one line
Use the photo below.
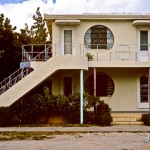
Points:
[(139, 104), (138, 35), (141, 54), (62, 40)]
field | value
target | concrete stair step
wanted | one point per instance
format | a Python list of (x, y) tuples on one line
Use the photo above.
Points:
[(124, 119), (127, 118), (126, 114), (127, 123)]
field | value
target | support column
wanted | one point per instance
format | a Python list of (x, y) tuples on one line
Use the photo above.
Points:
[(94, 72), (81, 96), (149, 89)]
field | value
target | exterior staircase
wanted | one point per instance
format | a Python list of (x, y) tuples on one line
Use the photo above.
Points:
[(126, 118), (17, 85)]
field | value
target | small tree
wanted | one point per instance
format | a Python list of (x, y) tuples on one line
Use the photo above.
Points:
[(9, 48), (37, 34)]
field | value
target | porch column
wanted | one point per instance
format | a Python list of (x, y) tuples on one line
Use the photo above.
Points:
[(149, 89), (94, 89), (81, 96), (94, 81)]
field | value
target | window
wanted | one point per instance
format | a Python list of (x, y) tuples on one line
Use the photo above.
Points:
[(143, 91), (67, 41), (99, 37), (144, 40), (104, 85)]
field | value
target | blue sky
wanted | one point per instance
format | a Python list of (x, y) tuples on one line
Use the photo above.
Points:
[(21, 11), (17, 1), (11, 1)]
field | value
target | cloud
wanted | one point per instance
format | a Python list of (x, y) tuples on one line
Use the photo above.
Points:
[(22, 12)]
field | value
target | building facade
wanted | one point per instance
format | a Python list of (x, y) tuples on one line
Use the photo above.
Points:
[(106, 55)]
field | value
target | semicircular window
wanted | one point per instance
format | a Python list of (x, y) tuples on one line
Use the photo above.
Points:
[(104, 85), (98, 37)]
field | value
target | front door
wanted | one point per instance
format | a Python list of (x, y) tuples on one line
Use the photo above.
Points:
[(144, 45), (67, 86), (67, 42)]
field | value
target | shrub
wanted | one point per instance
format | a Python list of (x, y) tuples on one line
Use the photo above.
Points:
[(103, 115), (146, 119), (73, 114), (29, 108), (6, 116), (36, 107), (57, 104)]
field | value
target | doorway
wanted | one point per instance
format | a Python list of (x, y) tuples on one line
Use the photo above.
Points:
[(67, 86), (67, 42)]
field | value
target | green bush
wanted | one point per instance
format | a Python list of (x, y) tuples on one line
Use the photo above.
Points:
[(103, 115), (73, 114), (6, 116), (57, 104), (29, 108), (32, 107), (146, 119)]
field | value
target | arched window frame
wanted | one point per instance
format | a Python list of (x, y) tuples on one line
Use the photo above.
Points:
[(99, 37)]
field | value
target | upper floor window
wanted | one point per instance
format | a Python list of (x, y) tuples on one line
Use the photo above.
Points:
[(144, 38), (99, 37)]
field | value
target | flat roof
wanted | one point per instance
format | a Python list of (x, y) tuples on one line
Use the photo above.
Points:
[(120, 16)]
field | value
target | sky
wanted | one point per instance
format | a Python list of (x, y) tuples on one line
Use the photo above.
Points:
[(21, 11)]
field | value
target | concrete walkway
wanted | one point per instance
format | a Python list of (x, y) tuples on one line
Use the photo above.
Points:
[(113, 128)]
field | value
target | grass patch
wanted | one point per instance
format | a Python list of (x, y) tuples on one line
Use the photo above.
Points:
[(9, 136)]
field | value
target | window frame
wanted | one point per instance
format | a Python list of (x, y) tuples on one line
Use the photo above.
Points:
[(109, 39), (141, 105), (139, 37)]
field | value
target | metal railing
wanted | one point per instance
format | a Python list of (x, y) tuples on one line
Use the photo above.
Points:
[(18, 75), (31, 51), (99, 52), (118, 52)]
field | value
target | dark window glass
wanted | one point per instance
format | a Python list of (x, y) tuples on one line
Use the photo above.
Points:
[(104, 85), (144, 40), (144, 89)]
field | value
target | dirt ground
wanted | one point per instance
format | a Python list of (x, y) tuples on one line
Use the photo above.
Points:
[(87, 141)]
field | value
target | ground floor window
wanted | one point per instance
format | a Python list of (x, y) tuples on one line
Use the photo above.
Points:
[(104, 85), (143, 91)]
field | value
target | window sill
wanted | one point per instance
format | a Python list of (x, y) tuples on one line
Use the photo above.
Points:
[(143, 105)]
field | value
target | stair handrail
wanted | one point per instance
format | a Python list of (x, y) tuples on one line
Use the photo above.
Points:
[(18, 75)]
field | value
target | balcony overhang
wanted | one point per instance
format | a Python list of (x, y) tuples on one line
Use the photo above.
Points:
[(67, 22), (141, 22)]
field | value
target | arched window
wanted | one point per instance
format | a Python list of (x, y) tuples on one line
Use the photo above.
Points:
[(104, 85), (98, 37)]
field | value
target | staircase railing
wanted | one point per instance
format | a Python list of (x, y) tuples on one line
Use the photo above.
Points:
[(18, 75)]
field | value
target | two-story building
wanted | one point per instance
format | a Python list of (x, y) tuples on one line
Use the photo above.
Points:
[(106, 55)]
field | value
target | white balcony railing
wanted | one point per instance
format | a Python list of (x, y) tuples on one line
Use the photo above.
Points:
[(99, 52)]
